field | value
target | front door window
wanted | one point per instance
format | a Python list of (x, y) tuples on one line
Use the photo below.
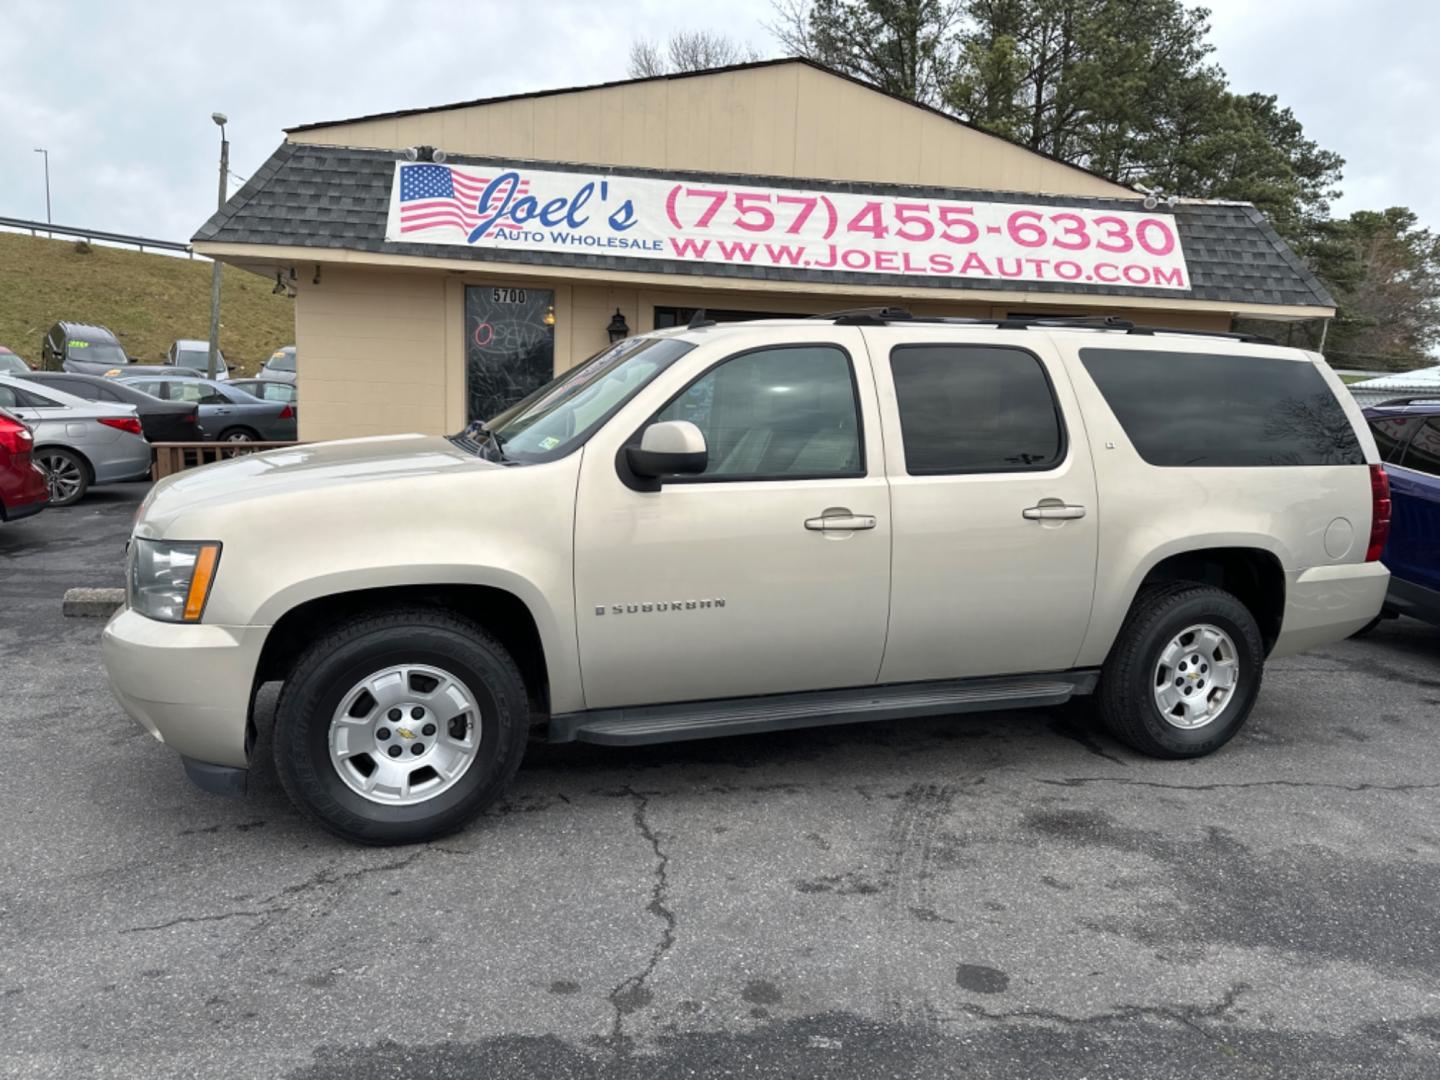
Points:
[(776, 414)]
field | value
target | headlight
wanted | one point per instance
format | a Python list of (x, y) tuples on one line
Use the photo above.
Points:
[(170, 579)]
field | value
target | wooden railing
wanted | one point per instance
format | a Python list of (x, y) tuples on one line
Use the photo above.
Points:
[(173, 457)]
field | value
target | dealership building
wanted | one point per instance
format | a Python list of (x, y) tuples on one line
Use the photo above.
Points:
[(445, 261)]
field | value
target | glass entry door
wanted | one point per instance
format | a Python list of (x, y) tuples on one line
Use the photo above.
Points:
[(509, 346)]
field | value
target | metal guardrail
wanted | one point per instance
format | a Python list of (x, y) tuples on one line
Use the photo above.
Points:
[(173, 457), (142, 242)]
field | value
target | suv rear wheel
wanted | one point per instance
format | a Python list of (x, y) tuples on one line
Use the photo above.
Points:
[(399, 727), (1184, 672)]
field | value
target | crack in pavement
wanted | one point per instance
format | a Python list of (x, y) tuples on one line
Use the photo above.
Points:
[(270, 907), (1189, 1016), (206, 918), (326, 876), (1081, 781), (631, 993)]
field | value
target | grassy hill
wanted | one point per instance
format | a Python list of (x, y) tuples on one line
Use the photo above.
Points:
[(148, 300)]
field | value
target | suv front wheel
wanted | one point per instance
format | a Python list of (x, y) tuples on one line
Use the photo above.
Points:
[(1184, 672), (400, 726)]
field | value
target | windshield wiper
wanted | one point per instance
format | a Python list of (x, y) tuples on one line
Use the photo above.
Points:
[(487, 440)]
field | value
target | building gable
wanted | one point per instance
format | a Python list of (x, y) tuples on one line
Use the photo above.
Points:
[(787, 118)]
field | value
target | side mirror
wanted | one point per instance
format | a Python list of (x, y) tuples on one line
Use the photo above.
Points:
[(668, 448)]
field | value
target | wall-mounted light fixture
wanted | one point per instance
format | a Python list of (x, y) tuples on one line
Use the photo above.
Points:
[(1155, 198), (618, 329), (425, 153)]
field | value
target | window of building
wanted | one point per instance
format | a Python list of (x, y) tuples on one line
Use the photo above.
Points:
[(509, 346), (975, 408), (1183, 409), (776, 414)]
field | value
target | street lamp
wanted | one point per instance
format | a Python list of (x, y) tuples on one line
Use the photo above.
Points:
[(212, 367), (48, 219)]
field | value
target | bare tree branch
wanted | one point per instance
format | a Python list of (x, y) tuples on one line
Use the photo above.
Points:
[(687, 50)]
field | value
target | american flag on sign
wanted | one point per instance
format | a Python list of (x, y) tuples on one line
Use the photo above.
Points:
[(443, 196)]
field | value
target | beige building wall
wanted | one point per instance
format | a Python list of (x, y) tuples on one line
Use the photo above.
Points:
[(374, 347), (789, 120), (383, 350)]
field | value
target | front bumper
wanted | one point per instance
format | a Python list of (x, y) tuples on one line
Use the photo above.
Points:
[(1325, 604), (189, 685)]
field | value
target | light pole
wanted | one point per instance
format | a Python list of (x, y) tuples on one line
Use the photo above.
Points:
[(212, 367), (48, 219)]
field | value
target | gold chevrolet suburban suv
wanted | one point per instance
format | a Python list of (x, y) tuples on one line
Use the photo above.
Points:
[(757, 526)]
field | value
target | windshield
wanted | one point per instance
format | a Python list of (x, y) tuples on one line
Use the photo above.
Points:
[(561, 415), (283, 360), (97, 352)]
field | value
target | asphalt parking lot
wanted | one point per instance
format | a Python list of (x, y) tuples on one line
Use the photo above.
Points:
[(1007, 895)]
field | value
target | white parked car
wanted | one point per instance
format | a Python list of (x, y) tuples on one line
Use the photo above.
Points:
[(1400, 385), (751, 527), (77, 442)]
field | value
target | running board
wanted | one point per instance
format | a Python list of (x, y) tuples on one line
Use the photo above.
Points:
[(641, 724)]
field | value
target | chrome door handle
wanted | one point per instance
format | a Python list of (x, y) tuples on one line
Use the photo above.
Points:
[(840, 522), (1053, 512)]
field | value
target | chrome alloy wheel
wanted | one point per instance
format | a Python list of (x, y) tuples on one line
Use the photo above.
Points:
[(64, 476), (1196, 676), (238, 436), (405, 734)]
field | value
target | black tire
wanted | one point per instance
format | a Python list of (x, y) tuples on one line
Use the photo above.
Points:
[(74, 465), (330, 668), (1126, 695)]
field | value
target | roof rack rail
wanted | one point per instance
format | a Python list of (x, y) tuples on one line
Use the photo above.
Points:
[(1253, 339), (872, 316), (1408, 399), (884, 316)]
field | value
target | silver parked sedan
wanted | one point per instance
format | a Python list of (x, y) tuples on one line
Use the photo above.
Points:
[(226, 414), (77, 442)]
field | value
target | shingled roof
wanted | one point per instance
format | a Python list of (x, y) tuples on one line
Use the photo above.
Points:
[(330, 197)]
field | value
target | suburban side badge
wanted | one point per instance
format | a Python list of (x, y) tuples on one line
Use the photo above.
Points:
[(662, 605)]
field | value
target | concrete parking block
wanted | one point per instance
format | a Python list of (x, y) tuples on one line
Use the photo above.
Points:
[(92, 603)]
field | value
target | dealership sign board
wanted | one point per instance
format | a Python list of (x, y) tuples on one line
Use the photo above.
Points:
[(519, 208)]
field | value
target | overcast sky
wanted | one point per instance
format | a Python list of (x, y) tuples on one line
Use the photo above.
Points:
[(121, 91)]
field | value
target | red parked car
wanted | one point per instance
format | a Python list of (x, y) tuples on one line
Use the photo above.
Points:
[(23, 490)]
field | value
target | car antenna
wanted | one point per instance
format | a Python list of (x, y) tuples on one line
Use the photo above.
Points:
[(698, 320)]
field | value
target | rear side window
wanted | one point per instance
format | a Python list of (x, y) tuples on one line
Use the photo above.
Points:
[(1203, 410), (975, 408), (30, 399), (1423, 453), (88, 391)]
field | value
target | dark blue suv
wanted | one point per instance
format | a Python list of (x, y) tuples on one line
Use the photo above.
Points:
[(1408, 435)]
